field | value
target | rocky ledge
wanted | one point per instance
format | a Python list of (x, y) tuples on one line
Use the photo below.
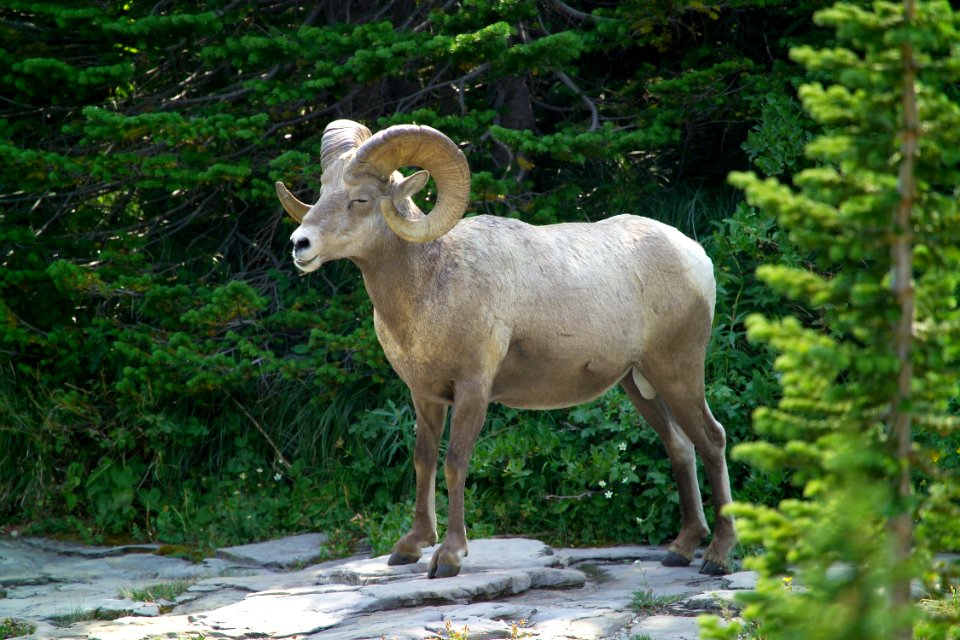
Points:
[(508, 588)]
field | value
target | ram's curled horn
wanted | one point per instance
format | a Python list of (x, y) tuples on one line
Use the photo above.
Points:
[(424, 147), (339, 137), (291, 205)]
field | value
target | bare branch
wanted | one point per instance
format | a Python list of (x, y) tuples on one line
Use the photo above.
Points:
[(594, 113), (263, 432), (425, 23), (404, 104), (575, 14), (581, 496)]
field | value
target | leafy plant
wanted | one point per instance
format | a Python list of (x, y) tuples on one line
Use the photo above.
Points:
[(775, 144), (12, 628), (449, 633)]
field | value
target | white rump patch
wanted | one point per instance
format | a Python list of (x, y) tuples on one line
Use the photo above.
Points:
[(646, 389)]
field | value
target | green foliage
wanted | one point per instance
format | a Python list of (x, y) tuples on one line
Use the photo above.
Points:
[(157, 350), (740, 375), (646, 601), (160, 591), (775, 145), (450, 633), (833, 425), (570, 469), (11, 628), (943, 616)]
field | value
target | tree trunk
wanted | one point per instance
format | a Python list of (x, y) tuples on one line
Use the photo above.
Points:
[(901, 524)]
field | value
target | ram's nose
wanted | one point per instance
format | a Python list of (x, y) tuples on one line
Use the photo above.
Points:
[(299, 244)]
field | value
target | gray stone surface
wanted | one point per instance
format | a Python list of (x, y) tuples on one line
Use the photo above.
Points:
[(292, 551), (580, 623), (53, 580), (716, 601), (506, 588), (661, 627), (742, 580), (611, 554)]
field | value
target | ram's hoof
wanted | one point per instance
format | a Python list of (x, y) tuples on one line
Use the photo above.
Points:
[(443, 571), (712, 568), (398, 558), (674, 559)]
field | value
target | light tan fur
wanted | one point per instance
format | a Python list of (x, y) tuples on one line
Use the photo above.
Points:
[(497, 310)]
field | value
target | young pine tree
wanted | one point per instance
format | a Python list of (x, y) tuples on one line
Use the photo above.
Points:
[(867, 419)]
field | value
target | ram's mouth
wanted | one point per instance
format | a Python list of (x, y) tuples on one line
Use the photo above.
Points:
[(308, 265)]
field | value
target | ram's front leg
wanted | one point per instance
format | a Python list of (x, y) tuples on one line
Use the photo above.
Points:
[(469, 411), (423, 533)]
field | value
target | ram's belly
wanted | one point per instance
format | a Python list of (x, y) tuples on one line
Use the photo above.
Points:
[(550, 377)]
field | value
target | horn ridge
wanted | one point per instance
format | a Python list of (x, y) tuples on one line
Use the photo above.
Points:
[(339, 137)]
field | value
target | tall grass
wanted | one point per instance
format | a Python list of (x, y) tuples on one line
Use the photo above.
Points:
[(24, 478), (690, 207)]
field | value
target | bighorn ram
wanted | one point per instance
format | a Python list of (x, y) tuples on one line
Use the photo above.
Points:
[(490, 309)]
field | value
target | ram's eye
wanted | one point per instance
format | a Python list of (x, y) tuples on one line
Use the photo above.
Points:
[(357, 201)]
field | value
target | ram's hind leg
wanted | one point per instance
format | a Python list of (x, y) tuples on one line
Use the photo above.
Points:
[(688, 406), (430, 420), (693, 523)]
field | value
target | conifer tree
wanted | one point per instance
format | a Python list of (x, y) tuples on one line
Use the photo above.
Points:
[(153, 338), (869, 376)]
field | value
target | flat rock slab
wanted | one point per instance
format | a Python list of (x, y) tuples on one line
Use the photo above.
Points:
[(48, 580), (368, 585), (506, 588), (611, 554), (67, 548), (485, 555), (293, 551), (662, 627), (741, 580)]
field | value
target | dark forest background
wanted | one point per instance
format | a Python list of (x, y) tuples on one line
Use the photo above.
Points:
[(165, 374)]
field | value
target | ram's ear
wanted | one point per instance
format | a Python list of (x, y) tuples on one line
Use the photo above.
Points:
[(412, 184)]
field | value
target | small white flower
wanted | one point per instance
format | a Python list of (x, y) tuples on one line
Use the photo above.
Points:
[(243, 475), (609, 494), (277, 476), (259, 470), (625, 480), (623, 446), (602, 483)]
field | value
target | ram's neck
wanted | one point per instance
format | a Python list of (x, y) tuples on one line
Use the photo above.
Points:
[(396, 274)]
